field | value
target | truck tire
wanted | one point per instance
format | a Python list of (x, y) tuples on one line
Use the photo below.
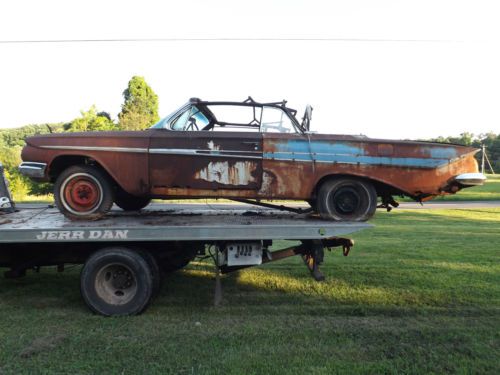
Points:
[(129, 202), (179, 256), (155, 270), (83, 192), (346, 199), (117, 281)]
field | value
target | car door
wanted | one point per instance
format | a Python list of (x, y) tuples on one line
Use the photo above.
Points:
[(192, 160)]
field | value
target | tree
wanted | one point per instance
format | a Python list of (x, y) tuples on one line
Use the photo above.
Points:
[(91, 121), (140, 108)]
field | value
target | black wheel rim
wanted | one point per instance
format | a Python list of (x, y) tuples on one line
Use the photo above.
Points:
[(346, 200)]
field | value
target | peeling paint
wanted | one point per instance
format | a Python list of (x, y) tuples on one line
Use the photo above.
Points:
[(268, 179), (239, 173), (212, 146)]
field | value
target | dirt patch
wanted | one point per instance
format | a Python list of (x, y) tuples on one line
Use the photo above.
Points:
[(42, 344)]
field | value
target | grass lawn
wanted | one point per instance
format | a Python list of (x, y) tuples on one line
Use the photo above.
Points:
[(420, 293)]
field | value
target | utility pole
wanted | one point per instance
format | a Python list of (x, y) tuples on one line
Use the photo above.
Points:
[(483, 158), (483, 148)]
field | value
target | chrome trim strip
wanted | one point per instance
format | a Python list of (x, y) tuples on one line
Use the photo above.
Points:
[(33, 163), (164, 151), (314, 161), (30, 167), (211, 153)]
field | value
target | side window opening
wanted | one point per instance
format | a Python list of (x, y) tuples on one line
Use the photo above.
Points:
[(274, 120)]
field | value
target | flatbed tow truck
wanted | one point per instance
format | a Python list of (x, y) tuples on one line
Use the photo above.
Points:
[(125, 254)]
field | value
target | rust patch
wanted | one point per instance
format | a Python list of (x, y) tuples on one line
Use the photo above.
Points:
[(385, 149), (268, 181), (222, 172)]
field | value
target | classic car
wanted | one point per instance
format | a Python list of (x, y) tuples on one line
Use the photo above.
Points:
[(245, 151)]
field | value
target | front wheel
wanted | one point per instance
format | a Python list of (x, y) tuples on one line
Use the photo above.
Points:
[(83, 192), (118, 281), (346, 199)]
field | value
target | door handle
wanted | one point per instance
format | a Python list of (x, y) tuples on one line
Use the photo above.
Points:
[(254, 144)]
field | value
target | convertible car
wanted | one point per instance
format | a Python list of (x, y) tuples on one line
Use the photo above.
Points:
[(245, 151)]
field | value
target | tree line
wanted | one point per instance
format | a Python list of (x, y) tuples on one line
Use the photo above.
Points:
[(140, 111), (491, 141)]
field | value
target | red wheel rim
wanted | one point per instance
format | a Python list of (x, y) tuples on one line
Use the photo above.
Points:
[(82, 193)]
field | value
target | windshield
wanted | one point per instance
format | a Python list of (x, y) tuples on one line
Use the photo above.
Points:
[(185, 119), (161, 124)]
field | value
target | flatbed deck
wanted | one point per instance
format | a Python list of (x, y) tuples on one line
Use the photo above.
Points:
[(38, 225), (125, 254)]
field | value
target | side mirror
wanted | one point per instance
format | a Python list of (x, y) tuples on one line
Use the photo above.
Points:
[(306, 120)]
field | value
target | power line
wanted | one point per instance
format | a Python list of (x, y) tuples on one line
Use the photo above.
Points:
[(152, 40)]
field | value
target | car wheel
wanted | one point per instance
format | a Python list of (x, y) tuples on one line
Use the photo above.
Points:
[(83, 193), (346, 199), (129, 202), (117, 281)]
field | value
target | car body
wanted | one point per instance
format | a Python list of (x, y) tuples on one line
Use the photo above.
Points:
[(192, 153)]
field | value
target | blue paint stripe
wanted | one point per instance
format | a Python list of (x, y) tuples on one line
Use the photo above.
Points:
[(317, 147), (347, 152), (355, 159)]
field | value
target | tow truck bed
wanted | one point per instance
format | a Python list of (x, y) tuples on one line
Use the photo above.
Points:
[(125, 254), (194, 224)]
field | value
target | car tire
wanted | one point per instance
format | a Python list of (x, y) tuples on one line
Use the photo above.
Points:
[(117, 281), (83, 192), (347, 199), (129, 202)]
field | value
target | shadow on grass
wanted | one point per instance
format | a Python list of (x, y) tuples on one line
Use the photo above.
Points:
[(279, 291)]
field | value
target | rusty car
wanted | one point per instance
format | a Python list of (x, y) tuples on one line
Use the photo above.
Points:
[(246, 151)]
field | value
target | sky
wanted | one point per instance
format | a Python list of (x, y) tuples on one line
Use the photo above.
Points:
[(385, 69)]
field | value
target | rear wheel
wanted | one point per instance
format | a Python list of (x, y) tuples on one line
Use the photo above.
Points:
[(155, 271), (179, 256), (129, 202), (83, 193), (346, 199), (117, 281)]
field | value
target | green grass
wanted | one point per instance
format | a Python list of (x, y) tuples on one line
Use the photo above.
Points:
[(420, 293)]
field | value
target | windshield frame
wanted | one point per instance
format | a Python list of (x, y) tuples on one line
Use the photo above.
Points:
[(203, 106)]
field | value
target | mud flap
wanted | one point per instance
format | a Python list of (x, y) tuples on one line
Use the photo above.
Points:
[(313, 257)]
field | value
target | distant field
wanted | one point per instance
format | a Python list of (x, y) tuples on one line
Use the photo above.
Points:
[(420, 293)]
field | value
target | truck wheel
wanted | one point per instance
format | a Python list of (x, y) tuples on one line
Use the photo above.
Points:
[(129, 202), (117, 281), (155, 271), (83, 192), (347, 199), (175, 263), (179, 256)]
